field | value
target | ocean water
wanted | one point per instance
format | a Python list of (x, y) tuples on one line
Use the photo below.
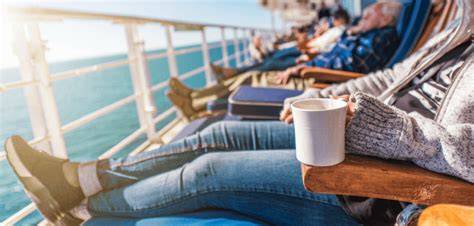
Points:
[(79, 96)]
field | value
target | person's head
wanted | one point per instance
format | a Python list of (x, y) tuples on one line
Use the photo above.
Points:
[(380, 14), (301, 35), (257, 41), (340, 17), (323, 5)]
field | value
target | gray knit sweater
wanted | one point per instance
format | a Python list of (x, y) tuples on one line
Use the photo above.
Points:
[(445, 144)]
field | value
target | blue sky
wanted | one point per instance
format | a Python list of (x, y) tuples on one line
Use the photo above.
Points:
[(72, 39)]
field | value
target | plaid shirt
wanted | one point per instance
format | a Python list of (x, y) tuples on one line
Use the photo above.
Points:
[(361, 53)]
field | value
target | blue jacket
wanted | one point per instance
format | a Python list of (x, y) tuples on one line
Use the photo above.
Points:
[(361, 53)]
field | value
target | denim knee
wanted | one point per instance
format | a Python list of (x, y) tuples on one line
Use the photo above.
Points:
[(219, 127), (203, 168)]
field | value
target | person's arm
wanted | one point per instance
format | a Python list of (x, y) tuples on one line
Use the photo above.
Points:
[(380, 130), (285, 75), (324, 42), (374, 84)]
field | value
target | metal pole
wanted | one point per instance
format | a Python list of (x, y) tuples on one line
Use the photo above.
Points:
[(141, 80), (246, 45), (225, 54), (205, 56), (247, 51), (170, 52), (41, 73), (236, 48), (32, 95)]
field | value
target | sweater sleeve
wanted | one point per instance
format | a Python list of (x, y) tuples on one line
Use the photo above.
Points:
[(387, 132)]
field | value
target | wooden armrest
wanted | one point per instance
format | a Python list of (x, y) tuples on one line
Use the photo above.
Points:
[(328, 75), (387, 179), (320, 85)]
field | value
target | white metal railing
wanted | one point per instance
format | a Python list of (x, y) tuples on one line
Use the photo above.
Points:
[(37, 80), (87, 70)]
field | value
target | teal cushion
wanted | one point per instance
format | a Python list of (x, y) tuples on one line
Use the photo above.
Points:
[(208, 218)]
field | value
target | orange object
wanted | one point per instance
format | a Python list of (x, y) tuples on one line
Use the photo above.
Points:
[(446, 214)]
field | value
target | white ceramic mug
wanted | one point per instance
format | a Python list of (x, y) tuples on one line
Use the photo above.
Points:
[(319, 131)]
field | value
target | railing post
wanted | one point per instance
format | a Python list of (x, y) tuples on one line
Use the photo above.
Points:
[(170, 52), (205, 56), (236, 48), (141, 80), (50, 109), (357, 7), (246, 35), (32, 95), (225, 54)]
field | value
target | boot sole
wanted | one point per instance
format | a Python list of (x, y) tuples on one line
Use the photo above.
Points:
[(38, 193)]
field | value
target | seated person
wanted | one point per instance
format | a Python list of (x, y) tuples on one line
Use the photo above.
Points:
[(323, 41), (326, 37), (364, 48), (250, 167), (374, 38), (279, 60), (258, 50)]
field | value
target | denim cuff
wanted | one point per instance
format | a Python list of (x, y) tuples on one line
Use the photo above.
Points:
[(88, 178), (409, 215)]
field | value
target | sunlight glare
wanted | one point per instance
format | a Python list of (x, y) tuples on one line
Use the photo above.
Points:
[(7, 57)]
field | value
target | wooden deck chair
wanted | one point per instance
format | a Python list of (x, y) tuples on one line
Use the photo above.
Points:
[(441, 14), (391, 179)]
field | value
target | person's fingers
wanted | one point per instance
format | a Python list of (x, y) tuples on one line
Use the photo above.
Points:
[(348, 119), (282, 78), (350, 108), (284, 114), (285, 79), (350, 111), (345, 98), (278, 79), (289, 119), (342, 97)]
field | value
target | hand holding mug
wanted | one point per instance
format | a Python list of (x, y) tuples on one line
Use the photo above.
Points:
[(287, 116)]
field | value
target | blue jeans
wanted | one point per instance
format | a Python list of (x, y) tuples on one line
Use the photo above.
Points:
[(239, 166), (271, 65), (288, 52)]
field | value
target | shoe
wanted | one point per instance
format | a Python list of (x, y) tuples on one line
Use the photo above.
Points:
[(183, 104), (223, 72), (179, 88), (44, 181)]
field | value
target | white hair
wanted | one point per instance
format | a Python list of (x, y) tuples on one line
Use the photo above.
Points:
[(391, 8)]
